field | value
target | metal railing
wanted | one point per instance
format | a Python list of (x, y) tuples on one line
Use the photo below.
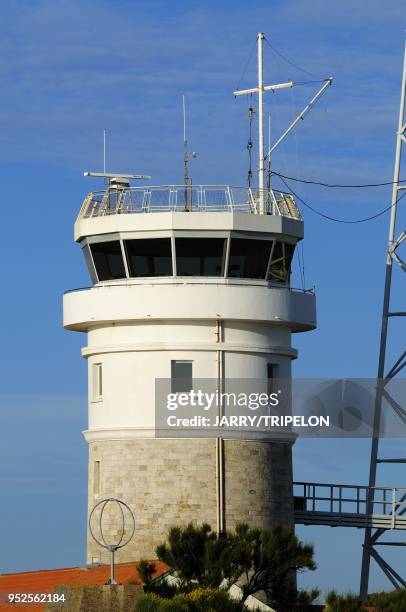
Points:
[(174, 198), (189, 280), (340, 499)]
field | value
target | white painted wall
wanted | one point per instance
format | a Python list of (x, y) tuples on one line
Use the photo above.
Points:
[(136, 327), (134, 355)]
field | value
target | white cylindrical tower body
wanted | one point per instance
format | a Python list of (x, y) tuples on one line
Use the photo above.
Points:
[(202, 293)]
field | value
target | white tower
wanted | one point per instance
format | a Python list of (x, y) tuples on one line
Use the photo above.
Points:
[(203, 293), (188, 282)]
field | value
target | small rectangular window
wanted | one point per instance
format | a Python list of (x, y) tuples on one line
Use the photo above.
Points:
[(181, 376), (97, 381), (272, 372), (96, 478)]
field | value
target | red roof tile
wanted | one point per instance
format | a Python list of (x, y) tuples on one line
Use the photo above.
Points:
[(45, 581)]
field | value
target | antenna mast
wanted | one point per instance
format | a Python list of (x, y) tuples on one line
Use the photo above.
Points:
[(104, 151), (185, 157), (187, 181), (260, 39), (260, 89), (268, 157)]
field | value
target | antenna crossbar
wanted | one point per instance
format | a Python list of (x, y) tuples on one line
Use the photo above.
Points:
[(242, 92)]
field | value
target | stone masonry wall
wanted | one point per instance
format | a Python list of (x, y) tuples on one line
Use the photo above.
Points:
[(169, 482)]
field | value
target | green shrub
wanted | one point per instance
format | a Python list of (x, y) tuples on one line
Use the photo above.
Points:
[(393, 601), (214, 600), (174, 605), (200, 600), (342, 603), (148, 603)]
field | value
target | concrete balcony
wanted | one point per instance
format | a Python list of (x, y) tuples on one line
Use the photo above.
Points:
[(189, 299)]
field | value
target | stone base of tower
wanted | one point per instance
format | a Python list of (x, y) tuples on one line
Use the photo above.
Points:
[(169, 482)]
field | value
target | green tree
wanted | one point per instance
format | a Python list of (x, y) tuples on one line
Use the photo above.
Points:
[(257, 560), (198, 556), (268, 560)]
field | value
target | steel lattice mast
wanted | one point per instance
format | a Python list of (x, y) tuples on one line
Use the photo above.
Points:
[(395, 239)]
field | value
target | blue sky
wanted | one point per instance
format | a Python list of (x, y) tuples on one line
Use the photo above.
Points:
[(68, 70)]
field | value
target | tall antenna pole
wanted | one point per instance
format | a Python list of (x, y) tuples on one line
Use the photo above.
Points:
[(104, 151), (185, 157), (260, 89), (260, 124), (184, 119), (268, 159), (370, 539)]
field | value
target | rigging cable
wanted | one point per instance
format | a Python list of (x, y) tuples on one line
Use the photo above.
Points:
[(288, 61), (335, 219), (300, 255), (246, 65), (303, 263), (299, 262), (334, 185)]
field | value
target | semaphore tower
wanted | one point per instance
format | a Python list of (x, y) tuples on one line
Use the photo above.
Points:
[(187, 282)]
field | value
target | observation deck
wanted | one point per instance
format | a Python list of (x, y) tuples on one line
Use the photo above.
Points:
[(177, 198), (200, 252)]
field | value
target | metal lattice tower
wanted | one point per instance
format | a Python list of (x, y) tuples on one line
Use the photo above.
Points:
[(397, 236)]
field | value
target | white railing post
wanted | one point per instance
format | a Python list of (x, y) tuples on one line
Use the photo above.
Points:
[(230, 198)]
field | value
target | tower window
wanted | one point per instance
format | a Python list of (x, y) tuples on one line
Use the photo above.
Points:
[(272, 375), (97, 381), (89, 263), (200, 256), (149, 257), (249, 258), (281, 259), (96, 478), (181, 376), (108, 259)]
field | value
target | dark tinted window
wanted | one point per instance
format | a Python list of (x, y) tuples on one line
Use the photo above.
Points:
[(108, 260), (289, 250), (200, 256), (89, 263), (149, 257), (181, 376), (249, 258), (281, 260), (272, 374)]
